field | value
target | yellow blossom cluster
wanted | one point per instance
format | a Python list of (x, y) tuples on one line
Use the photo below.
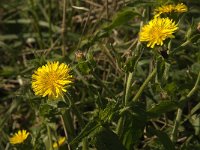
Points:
[(179, 8), (159, 29)]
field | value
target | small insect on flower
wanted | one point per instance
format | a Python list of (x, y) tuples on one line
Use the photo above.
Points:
[(19, 137), (60, 142), (157, 30), (51, 80)]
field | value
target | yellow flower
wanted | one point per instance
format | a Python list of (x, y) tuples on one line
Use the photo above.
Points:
[(19, 137), (157, 30), (180, 8), (60, 142), (164, 9), (51, 79)]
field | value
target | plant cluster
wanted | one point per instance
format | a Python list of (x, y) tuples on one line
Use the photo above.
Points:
[(103, 75)]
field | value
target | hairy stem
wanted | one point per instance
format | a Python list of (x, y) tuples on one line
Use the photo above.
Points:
[(141, 89)]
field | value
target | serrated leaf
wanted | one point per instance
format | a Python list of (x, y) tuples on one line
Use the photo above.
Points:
[(106, 115)]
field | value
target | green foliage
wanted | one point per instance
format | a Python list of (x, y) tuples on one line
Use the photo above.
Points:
[(105, 139), (162, 107), (87, 130), (163, 138), (122, 18), (124, 94)]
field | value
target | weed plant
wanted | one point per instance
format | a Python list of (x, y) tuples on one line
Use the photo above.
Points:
[(99, 74)]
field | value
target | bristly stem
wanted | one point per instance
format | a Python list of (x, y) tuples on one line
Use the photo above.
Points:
[(179, 111), (136, 97), (128, 87), (125, 102), (151, 75)]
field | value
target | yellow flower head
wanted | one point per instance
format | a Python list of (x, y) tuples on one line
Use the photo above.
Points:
[(51, 79), (60, 142), (164, 9), (180, 8), (157, 30), (19, 137)]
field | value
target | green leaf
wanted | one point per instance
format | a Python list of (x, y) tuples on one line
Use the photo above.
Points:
[(163, 138), (122, 18), (88, 129), (106, 115), (84, 67), (105, 139), (134, 124), (162, 107), (132, 135)]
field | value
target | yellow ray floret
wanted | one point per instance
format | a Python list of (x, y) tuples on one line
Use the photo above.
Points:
[(60, 142), (157, 30), (51, 80), (19, 137), (179, 8)]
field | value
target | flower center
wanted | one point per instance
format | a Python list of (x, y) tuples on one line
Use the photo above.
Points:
[(155, 33)]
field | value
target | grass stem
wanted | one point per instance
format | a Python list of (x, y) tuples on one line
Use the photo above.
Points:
[(64, 28)]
